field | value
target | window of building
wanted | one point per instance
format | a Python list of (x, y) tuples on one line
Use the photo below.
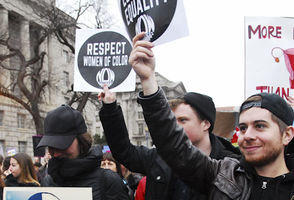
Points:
[(98, 130), (2, 147), (89, 126), (1, 117), (21, 120), (140, 115), (141, 129), (97, 118), (22, 146), (66, 78), (66, 56)]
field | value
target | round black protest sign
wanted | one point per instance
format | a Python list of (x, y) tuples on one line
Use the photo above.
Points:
[(150, 16), (103, 59)]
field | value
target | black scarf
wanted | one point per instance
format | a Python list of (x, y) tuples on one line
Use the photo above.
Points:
[(64, 170)]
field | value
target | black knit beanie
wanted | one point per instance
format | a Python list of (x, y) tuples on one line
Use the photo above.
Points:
[(203, 104)]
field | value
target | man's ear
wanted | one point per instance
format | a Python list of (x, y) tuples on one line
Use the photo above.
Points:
[(288, 135), (206, 124)]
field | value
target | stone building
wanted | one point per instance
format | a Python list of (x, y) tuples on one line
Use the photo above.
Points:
[(18, 20)]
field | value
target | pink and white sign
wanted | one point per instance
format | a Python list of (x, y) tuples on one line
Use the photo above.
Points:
[(269, 57)]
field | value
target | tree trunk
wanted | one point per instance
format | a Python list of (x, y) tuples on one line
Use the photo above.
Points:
[(38, 120), (83, 102)]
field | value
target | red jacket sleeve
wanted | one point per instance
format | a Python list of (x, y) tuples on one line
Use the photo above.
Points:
[(140, 192)]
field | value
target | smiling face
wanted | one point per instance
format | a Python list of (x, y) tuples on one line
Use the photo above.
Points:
[(260, 139)]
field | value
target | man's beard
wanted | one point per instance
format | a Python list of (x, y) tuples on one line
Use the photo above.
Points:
[(267, 158)]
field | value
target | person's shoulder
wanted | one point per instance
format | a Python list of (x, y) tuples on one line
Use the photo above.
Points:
[(48, 181), (232, 160), (147, 153), (102, 174), (228, 150), (229, 165), (10, 180), (112, 181), (108, 174), (30, 184)]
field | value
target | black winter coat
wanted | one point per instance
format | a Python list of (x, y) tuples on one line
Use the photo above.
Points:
[(86, 172), (224, 179), (140, 159), (11, 181)]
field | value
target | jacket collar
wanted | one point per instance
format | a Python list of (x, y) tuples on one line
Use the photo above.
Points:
[(250, 169), (221, 148)]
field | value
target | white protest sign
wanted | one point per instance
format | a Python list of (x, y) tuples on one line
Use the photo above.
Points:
[(269, 55), (11, 151), (102, 58), (47, 193), (162, 20)]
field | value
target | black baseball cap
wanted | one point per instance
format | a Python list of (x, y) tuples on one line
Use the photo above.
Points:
[(277, 106), (273, 103), (61, 126)]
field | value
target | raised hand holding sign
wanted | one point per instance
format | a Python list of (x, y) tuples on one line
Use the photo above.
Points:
[(102, 59)]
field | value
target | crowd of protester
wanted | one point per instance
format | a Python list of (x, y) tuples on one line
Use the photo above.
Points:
[(19, 171), (188, 161)]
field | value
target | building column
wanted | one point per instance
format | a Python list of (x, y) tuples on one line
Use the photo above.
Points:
[(25, 38), (51, 50), (4, 34)]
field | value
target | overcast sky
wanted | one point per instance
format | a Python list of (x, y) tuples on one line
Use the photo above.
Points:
[(211, 59)]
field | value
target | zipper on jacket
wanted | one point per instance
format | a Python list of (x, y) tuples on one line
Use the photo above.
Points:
[(263, 185)]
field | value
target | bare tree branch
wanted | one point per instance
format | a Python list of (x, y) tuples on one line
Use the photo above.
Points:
[(6, 93), (29, 72)]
